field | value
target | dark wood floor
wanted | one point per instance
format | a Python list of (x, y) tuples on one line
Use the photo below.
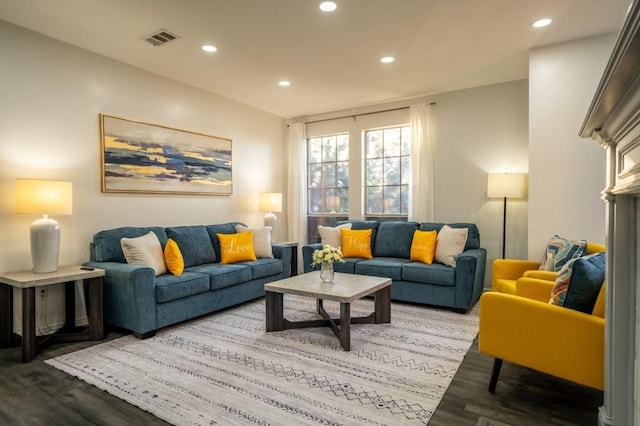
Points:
[(37, 394)]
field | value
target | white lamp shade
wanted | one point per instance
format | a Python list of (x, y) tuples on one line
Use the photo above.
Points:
[(509, 185), (270, 202), (44, 197)]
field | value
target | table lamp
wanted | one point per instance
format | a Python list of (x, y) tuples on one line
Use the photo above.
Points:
[(505, 185), (36, 196), (270, 202)]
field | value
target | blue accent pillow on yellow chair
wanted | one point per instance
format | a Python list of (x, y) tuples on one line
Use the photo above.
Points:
[(579, 282)]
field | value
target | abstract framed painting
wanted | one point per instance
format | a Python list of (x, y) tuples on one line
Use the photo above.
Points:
[(140, 157)]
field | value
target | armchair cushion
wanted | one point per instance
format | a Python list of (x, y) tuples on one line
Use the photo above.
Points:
[(579, 282)]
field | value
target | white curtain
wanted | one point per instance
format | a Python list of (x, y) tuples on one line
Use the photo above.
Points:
[(297, 188), (421, 187)]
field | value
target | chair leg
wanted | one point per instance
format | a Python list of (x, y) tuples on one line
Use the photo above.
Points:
[(497, 364)]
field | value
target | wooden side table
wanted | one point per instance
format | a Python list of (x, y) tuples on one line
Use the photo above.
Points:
[(294, 255), (28, 282)]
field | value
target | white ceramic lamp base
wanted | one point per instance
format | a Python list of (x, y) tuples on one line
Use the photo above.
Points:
[(271, 220), (45, 245)]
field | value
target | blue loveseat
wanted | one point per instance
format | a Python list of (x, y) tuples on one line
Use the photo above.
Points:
[(456, 287), (137, 300)]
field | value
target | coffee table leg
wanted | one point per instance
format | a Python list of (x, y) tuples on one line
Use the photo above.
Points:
[(274, 311), (345, 326), (383, 305)]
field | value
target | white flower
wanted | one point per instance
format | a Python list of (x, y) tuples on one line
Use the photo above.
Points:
[(326, 256)]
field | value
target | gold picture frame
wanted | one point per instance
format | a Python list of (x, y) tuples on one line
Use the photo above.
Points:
[(147, 158)]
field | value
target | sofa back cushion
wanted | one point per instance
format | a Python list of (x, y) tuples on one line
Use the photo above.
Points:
[(194, 244), (473, 238), (106, 244), (221, 228), (393, 239)]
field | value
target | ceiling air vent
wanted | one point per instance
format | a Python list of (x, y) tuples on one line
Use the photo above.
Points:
[(160, 37)]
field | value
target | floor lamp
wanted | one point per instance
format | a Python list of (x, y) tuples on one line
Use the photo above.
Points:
[(505, 185)]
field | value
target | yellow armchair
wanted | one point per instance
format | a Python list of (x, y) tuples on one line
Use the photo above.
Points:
[(507, 271), (525, 330)]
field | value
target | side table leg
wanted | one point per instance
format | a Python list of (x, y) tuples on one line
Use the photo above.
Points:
[(28, 324), (95, 308), (6, 315), (274, 311), (345, 326)]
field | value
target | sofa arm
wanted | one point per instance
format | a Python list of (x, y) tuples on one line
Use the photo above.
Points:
[(129, 295), (307, 254), (534, 289), (284, 253), (511, 269), (548, 338), (470, 268)]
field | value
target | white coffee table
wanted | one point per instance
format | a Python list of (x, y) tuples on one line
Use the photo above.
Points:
[(345, 289)]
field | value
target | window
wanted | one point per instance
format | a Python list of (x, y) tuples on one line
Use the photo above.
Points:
[(327, 181), (387, 173)]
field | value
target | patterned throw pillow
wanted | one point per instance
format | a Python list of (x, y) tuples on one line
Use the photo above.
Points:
[(173, 257), (146, 251), (559, 251), (423, 246), (332, 236), (236, 247), (450, 244), (356, 243), (579, 283)]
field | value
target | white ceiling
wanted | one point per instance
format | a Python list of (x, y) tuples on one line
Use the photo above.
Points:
[(330, 59)]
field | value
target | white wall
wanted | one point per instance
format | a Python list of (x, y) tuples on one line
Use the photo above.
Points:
[(50, 96), (476, 131), (567, 172)]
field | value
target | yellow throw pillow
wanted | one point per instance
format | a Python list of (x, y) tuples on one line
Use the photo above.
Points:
[(173, 257), (236, 247), (356, 243), (423, 246)]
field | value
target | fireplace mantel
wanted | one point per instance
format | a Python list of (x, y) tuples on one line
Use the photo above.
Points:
[(613, 121)]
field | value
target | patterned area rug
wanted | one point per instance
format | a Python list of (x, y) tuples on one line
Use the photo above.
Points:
[(225, 369)]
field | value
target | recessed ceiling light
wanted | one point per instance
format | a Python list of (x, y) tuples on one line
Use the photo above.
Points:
[(284, 83), (328, 6), (209, 48), (541, 23), (387, 59)]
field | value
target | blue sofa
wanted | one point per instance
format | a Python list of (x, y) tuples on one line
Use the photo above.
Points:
[(458, 288), (137, 300)]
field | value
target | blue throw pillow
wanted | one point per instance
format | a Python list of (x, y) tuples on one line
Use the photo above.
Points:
[(579, 282)]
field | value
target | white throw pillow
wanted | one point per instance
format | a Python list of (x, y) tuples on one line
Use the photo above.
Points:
[(261, 240), (145, 250), (450, 243), (332, 236)]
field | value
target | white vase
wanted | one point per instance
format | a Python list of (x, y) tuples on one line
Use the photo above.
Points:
[(326, 273)]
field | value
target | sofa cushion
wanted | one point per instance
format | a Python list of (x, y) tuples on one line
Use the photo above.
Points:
[(473, 238), (107, 247), (332, 236), (264, 267), (423, 246), (172, 287), (195, 244), (436, 273), (393, 239), (450, 244), (356, 243), (348, 267), (559, 251), (261, 240), (224, 275), (145, 251), (579, 283), (358, 225), (236, 248), (221, 228), (389, 267), (173, 257)]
